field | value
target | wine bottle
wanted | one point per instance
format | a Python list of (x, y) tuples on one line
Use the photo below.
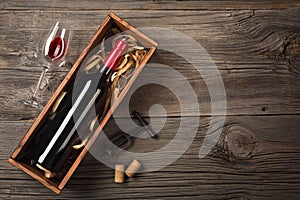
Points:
[(93, 90)]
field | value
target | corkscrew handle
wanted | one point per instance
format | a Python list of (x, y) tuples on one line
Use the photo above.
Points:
[(144, 124)]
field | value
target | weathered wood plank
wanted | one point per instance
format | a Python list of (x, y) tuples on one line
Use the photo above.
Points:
[(146, 5), (257, 54), (257, 157)]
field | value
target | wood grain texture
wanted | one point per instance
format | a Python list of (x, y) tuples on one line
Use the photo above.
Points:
[(252, 160), (252, 50), (254, 44), (146, 5)]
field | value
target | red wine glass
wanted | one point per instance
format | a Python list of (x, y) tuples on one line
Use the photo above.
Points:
[(51, 51)]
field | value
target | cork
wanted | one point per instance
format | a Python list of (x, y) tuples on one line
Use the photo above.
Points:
[(119, 173), (133, 168)]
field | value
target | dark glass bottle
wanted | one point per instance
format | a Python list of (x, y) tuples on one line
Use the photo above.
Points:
[(61, 131)]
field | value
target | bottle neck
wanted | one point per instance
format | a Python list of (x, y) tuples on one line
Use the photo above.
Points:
[(105, 70), (115, 55)]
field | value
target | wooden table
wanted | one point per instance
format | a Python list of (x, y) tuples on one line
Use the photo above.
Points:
[(254, 44)]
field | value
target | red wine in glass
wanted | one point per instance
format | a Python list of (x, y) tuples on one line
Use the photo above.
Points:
[(56, 49), (51, 50)]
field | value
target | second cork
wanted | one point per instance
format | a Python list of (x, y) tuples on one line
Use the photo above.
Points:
[(133, 168)]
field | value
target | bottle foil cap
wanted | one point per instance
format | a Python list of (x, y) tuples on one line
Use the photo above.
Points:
[(115, 55)]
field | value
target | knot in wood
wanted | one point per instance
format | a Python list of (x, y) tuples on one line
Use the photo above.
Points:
[(240, 142)]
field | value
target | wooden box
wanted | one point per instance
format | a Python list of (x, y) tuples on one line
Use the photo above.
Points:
[(111, 21)]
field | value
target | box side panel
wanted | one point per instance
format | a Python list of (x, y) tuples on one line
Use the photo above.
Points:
[(36, 175)]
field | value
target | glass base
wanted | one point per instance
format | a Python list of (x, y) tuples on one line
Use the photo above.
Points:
[(32, 102)]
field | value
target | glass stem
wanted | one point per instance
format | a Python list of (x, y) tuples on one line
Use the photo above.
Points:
[(45, 70)]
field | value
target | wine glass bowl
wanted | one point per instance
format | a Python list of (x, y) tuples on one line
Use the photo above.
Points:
[(51, 51)]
